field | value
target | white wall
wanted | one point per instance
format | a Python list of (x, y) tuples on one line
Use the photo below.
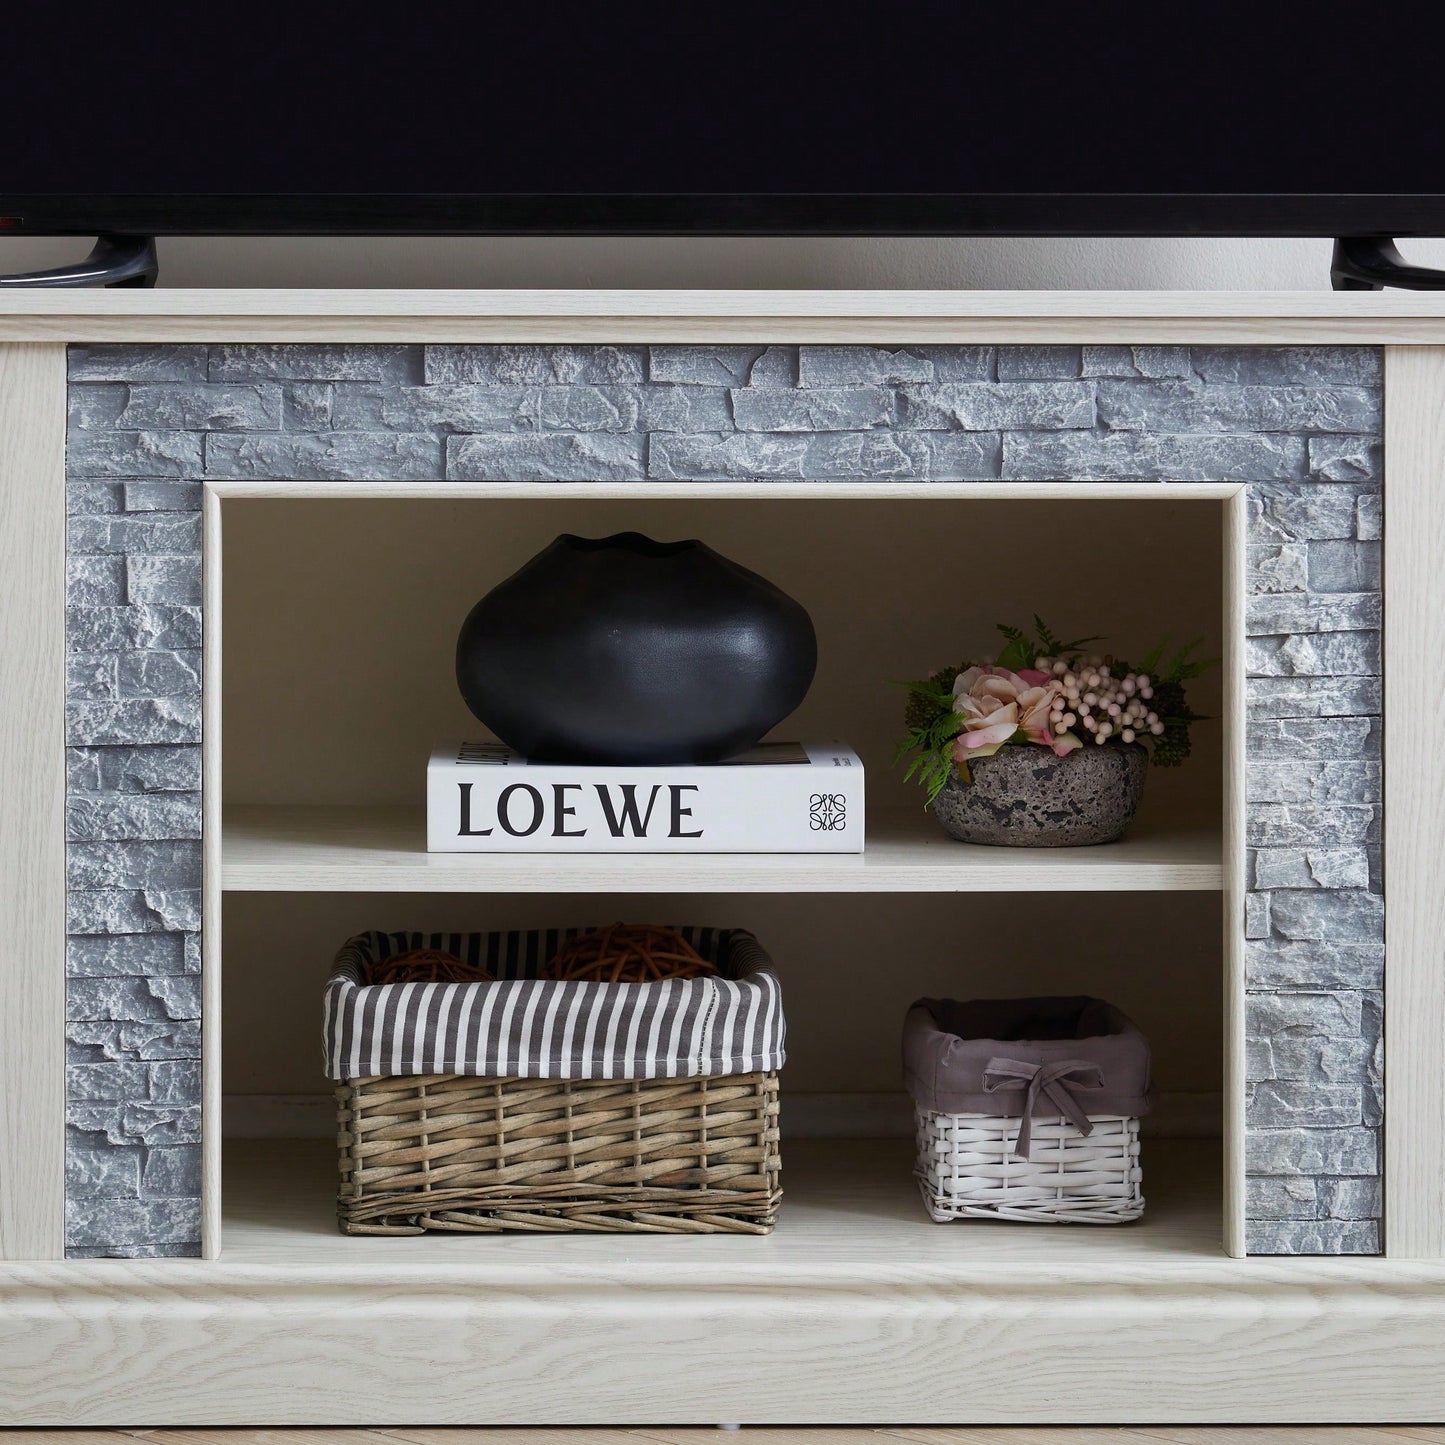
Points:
[(981, 264)]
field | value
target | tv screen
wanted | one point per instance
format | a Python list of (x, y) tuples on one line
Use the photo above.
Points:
[(832, 118)]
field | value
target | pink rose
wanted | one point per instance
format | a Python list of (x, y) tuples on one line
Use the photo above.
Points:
[(995, 704)]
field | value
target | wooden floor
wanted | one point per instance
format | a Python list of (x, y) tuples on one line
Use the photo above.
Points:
[(1151, 1435)]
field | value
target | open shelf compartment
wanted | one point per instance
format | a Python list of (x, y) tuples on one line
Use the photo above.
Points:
[(346, 609)]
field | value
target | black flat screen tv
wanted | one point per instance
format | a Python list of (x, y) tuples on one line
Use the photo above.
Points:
[(549, 117)]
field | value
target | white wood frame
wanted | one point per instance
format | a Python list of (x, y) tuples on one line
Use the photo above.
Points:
[(730, 491), (1414, 808), (32, 801), (1235, 883), (212, 1114), (1250, 318), (212, 1341)]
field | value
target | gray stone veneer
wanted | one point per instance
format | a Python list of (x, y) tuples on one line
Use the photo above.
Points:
[(1300, 425), (133, 821)]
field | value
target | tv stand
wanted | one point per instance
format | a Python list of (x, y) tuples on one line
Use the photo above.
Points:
[(245, 467), (113, 261), (1371, 263)]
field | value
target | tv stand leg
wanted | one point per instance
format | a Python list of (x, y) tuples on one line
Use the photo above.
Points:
[(1371, 263), (113, 261)]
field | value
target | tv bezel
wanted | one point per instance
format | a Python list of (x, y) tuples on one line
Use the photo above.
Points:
[(800, 214)]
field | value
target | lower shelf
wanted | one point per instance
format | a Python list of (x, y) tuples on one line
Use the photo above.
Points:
[(849, 1207)]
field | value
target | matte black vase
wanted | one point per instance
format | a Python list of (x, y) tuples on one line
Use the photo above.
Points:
[(627, 651)]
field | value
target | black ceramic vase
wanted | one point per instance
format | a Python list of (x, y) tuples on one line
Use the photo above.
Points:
[(627, 651)]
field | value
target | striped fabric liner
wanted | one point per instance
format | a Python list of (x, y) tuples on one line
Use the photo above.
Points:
[(522, 1026)]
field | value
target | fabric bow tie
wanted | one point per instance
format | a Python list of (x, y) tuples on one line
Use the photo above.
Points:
[(1058, 1083)]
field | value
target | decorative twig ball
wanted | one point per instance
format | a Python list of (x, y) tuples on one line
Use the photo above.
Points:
[(628, 953), (426, 965)]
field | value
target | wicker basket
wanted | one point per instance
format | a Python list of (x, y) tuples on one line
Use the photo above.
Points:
[(967, 1169), (1021, 1109), (692, 1150), (649, 1156)]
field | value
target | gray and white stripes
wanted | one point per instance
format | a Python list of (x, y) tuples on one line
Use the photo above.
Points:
[(523, 1026)]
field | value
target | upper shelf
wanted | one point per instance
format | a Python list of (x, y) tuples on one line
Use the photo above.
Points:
[(383, 850)]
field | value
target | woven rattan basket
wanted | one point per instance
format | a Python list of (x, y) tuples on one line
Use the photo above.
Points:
[(967, 1169), (1019, 1105), (649, 1156), (693, 1148)]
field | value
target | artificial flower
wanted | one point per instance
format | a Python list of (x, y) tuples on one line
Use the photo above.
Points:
[(995, 704)]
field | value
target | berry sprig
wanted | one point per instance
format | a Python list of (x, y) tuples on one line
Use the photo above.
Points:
[(1100, 699)]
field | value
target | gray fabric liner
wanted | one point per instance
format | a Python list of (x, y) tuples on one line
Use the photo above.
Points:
[(524, 1026), (948, 1047)]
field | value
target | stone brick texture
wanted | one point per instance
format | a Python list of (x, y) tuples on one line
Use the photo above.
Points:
[(137, 421), (1299, 426)]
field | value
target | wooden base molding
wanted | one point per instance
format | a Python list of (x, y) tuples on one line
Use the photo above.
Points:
[(856, 1310), (239, 1347)]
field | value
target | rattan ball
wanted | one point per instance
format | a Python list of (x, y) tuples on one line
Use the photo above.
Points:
[(628, 953), (426, 965)]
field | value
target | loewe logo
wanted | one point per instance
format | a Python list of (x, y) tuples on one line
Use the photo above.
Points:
[(522, 810)]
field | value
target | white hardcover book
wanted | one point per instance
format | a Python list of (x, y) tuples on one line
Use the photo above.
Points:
[(776, 798)]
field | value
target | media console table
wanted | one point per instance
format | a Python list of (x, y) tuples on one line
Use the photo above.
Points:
[(143, 1283)]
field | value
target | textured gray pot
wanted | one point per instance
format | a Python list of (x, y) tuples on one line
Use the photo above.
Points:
[(1025, 797)]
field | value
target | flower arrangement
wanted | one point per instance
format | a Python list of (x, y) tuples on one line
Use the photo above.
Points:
[(1043, 692)]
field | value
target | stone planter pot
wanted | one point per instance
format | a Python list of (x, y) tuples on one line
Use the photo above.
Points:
[(1025, 797)]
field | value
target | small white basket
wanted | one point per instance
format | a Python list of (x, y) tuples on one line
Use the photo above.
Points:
[(967, 1169)]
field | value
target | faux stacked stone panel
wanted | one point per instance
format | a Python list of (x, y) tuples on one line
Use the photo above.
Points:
[(133, 805), (1300, 426), (1316, 916)]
